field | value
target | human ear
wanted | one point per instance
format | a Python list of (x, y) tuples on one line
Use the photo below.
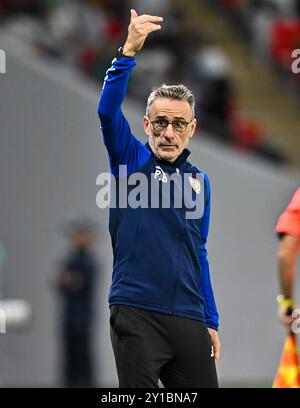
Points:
[(146, 125), (193, 127)]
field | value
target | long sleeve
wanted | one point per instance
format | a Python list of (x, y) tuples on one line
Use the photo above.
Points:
[(210, 308), (122, 146)]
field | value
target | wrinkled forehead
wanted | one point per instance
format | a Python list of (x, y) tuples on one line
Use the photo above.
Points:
[(170, 108)]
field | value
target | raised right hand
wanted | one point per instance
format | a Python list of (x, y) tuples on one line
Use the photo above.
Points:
[(139, 29)]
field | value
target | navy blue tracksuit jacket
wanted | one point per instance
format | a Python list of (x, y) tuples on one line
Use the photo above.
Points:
[(160, 257)]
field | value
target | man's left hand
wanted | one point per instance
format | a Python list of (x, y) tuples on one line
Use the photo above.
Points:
[(216, 343)]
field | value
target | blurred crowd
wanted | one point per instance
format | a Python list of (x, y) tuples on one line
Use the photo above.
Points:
[(87, 33), (272, 27)]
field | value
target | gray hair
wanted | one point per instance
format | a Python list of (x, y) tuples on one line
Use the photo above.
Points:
[(176, 92)]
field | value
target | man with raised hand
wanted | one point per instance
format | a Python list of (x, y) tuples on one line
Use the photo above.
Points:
[(164, 320)]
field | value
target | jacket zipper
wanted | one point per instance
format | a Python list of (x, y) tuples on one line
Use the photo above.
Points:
[(176, 279), (179, 267)]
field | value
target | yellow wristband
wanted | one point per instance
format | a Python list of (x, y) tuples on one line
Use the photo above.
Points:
[(285, 302)]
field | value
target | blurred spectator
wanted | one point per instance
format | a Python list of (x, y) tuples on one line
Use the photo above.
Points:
[(155, 66), (75, 282), (76, 23), (211, 69), (261, 16)]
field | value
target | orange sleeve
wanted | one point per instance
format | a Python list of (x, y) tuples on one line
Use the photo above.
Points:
[(289, 221)]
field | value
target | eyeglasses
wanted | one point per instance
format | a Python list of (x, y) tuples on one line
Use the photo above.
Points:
[(178, 125)]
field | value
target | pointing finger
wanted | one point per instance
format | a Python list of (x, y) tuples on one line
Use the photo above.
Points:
[(145, 18)]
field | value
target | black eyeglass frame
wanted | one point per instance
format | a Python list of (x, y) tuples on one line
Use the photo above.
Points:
[(170, 123)]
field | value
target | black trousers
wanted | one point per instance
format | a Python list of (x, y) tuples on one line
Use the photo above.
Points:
[(78, 370), (149, 346)]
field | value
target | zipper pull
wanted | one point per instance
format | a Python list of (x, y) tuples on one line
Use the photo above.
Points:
[(177, 170)]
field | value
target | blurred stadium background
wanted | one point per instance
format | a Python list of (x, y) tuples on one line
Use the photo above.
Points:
[(236, 57)]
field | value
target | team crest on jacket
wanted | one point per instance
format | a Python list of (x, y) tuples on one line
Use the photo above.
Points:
[(196, 186)]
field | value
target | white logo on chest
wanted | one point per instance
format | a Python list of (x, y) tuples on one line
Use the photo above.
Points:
[(160, 174)]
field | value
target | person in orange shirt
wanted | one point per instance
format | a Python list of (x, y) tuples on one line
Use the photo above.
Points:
[(288, 229)]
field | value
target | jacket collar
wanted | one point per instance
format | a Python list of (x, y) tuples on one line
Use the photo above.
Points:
[(181, 159)]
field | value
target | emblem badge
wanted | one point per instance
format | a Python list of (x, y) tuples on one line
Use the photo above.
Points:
[(196, 186)]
